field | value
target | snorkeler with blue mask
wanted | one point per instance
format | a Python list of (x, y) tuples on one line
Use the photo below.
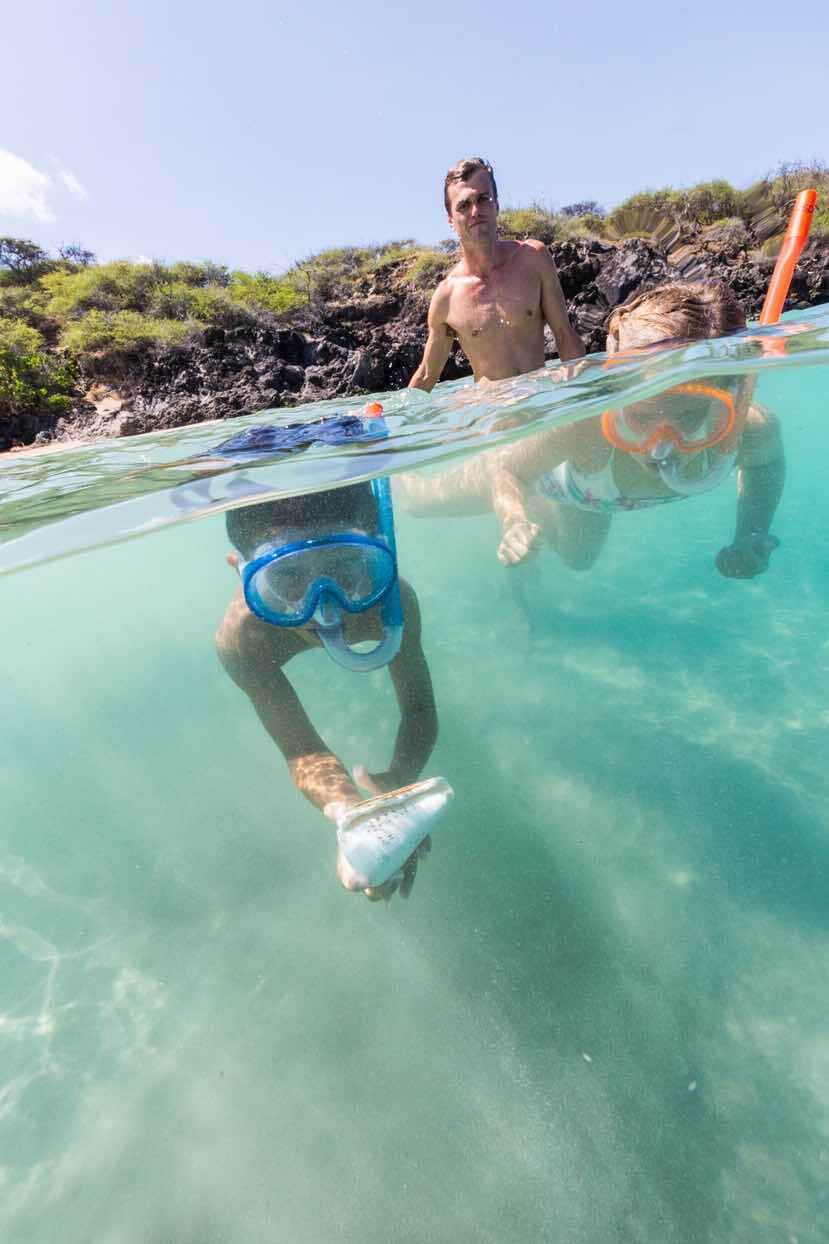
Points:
[(320, 579), (320, 571)]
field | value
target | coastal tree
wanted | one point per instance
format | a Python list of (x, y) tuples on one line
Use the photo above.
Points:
[(74, 253), (22, 259)]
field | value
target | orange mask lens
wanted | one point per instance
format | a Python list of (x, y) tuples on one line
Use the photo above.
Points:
[(639, 436)]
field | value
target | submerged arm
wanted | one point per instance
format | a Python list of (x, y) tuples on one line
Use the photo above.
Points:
[(761, 474), (254, 659), (256, 669), (513, 473), (418, 729)]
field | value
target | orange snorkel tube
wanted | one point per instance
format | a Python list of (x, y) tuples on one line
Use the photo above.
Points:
[(800, 222)]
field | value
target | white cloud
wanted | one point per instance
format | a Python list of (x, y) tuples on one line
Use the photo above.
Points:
[(23, 189), (69, 179), (72, 184)]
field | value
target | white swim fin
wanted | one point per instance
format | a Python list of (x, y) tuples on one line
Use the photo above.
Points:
[(378, 836)]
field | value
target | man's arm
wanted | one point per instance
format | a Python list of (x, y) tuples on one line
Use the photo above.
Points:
[(761, 474), (438, 344), (568, 343)]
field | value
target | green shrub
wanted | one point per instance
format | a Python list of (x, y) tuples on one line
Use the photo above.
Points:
[(214, 305), (123, 332), (662, 200), (20, 302), (796, 175), (765, 206), (709, 201), (589, 225), (427, 268), (394, 253), (117, 286), (642, 214), (155, 289), (820, 220), (18, 339), (789, 179), (534, 221), (270, 293), (31, 380), (652, 213), (174, 300), (198, 275), (330, 275)]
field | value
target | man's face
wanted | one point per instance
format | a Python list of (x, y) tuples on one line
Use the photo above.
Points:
[(473, 210)]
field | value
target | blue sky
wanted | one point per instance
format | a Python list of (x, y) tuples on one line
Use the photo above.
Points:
[(256, 133)]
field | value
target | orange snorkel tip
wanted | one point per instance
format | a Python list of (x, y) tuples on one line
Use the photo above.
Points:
[(797, 231)]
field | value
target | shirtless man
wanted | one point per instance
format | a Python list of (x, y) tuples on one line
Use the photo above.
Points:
[(498, 297)]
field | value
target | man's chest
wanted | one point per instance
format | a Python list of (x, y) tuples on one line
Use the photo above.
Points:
[(484, 308)]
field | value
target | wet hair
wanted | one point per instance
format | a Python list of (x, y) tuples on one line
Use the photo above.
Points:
[(682, 310), (463, 170), (252, 525)]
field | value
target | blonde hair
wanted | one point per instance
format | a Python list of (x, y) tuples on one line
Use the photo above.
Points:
[(682, 309)]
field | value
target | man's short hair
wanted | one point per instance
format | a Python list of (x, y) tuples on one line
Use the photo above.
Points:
[(463, 170), (352, 506)]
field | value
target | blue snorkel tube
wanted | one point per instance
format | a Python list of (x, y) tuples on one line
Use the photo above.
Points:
[(328, 617)]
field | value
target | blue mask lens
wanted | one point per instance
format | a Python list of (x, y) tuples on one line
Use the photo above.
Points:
[(321, 577), (286, 585)]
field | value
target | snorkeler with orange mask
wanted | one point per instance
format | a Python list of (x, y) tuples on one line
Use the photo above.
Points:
[(562, 487)]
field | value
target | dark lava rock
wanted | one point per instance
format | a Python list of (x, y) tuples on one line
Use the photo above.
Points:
[(374, 341), (634, 265)]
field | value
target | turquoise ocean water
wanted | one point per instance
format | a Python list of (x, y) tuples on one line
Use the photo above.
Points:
[(603, 1015)]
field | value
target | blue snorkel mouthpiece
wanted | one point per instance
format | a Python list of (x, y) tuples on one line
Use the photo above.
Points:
[(329, 627), (328, 616)]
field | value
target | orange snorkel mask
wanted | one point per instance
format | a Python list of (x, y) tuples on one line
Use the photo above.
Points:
[(705, 418), (688, 431)]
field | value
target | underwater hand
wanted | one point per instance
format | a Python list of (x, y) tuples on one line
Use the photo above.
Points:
[(404, 878), (519, 542), (746, 558)]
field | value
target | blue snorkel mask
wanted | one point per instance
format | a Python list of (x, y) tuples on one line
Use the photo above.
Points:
[(322, 578)]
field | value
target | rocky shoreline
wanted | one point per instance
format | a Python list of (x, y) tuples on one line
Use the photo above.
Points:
[(374, 340)]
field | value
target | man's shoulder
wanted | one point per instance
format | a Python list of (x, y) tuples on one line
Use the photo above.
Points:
[(528, 253), (443, 293), (457, 270), (534, 249)]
